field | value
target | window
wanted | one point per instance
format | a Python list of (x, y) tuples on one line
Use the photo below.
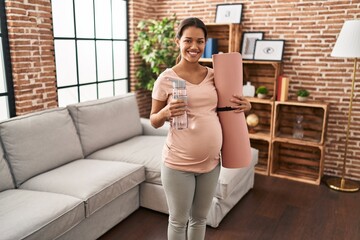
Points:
[(91, 49), (7, 101)]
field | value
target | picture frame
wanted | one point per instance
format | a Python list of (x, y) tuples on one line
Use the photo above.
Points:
[(269, 50), (248, 43), (228, 13)]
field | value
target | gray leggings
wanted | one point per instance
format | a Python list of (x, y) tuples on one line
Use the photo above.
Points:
[(189, 197)]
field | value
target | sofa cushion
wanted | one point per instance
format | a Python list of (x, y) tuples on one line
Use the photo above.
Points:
[(107, 121), (143, 150), (6, 180), (96, 182), (37, 215), (38, 142), (148, 129), (230, 178)]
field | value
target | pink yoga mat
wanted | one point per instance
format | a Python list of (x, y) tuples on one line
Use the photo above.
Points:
[(228, 71)]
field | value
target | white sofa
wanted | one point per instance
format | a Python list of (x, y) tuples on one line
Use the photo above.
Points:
[(75, 172)]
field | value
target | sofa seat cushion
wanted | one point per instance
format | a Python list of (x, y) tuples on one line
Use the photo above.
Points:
[(37, 215), (230, 178), (104, 122), (38, 142), (143, 150), (96, 182)]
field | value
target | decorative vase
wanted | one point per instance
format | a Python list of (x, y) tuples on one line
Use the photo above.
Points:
[(298, 131), (249, 90), (261, 95), (302, 99)]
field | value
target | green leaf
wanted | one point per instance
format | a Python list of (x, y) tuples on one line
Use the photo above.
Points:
[(156, 46)]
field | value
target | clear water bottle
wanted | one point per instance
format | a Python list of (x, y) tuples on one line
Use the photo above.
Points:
[(179, 92)]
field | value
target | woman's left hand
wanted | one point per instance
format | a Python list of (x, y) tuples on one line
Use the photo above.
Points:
[(242, 104)]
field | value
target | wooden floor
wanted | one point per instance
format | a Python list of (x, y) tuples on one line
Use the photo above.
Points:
[(275, 209)]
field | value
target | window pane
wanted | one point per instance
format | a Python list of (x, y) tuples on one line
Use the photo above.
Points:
[(119, 19), (106, 89), (104, 60), (4, 113), (65, 62), (67, 96), (2, 71), (88, 92), (86, 61), (84, 15), (120, 59), (121, 87), (63, 18), (103, 19)]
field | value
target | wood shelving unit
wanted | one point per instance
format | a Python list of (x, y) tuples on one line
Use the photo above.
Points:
[(294, 158), (260, 136), (227, 34), (262, 73)]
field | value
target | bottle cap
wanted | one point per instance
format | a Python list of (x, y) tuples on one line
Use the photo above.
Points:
[(178, 83)]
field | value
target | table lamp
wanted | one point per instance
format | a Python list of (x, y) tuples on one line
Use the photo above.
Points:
[(347, 46)]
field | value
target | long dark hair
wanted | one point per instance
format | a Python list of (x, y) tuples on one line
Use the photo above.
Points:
[(189, 22)]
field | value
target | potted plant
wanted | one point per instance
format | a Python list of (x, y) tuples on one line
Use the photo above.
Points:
[(302, 95), (262, 92), (156, 46)]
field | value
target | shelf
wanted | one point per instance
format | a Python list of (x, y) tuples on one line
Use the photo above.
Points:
[(297, 162), (206, 60), (261, 136), (260, 100), (314, 121), (290, 139), (264, 147), (264, 110), (262, 73), (228, 36)]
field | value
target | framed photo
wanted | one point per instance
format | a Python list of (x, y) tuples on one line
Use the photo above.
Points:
[(248, 43), (270, 50), (228, 13)]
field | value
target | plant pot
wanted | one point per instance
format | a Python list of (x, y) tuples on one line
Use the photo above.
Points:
[(302, 99), (261, 95)]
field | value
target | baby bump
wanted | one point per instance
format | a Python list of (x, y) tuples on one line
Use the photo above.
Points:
[(201, 141)]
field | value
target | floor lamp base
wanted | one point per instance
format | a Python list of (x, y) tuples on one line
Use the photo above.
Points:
[(341, 184)]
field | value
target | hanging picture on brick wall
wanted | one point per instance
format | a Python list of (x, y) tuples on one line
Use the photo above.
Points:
[(248, 43), (269, 50), (228, 13)]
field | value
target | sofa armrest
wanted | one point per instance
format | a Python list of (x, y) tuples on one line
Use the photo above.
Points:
[(150, 130)]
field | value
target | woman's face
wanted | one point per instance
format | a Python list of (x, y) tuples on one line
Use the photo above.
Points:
[(191, 44)]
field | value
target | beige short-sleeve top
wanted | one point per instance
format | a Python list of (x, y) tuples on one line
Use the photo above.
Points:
[(197, 148)]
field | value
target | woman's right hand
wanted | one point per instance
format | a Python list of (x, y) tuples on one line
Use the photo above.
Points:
[(176, 107), (161, 111)]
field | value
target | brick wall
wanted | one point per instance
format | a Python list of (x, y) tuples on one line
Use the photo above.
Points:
[(139, 10), (310, 29), (32, 54)]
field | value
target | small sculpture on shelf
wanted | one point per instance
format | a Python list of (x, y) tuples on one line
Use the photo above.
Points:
[(298, 131), (252, 121), (302, 95), (262, 92)]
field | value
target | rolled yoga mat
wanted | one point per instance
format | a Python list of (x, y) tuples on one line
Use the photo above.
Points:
[(228, 73)]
